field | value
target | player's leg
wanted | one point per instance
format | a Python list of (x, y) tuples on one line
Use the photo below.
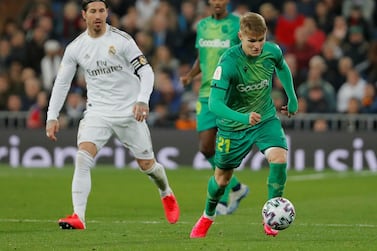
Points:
[(274, 146), (137, 138), (277, 159), (231, 148), (215, 190), (207, 140), (207, 129), (93, 133)]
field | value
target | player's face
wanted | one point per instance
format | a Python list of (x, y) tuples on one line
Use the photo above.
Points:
[(95, 17), (252, 44), (218, 7)]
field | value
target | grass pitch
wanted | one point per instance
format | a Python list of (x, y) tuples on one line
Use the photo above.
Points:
[(335, 211)]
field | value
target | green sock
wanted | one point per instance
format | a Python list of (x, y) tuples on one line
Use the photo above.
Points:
[(224, 199), (233, 182), (211, 160), (214, 194), (276, 179)]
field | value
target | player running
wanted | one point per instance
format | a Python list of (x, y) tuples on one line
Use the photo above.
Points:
[(241, 98), (215, 34)]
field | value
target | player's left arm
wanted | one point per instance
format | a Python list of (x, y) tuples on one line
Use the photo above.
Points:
[(145, 73), (284, 74)]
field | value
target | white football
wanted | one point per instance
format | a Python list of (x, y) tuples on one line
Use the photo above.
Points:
[(278, 213)]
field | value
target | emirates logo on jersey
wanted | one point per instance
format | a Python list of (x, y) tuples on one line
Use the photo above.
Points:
[(112, 50)]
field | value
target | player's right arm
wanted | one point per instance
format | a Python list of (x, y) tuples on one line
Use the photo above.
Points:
[(217, 105), (195, 70), (59, 93)]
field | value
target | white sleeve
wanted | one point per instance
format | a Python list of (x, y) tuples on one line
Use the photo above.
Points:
[(142, 69), (146, 83), (61, 86)]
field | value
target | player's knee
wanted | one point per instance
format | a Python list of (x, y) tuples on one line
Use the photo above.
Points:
[(88, 147), (207, 152), (276, 155), (145, 164)]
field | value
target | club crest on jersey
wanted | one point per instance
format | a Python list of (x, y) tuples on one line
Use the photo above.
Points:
[(217, 74), (112, 50)]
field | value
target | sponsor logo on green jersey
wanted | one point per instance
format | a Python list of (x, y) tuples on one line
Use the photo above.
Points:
[(215, 43), (252, 86)]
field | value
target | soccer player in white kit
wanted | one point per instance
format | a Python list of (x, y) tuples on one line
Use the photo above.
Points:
[(119, 83)]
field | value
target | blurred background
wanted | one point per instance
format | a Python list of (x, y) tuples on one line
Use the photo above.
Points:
[(330, 46)]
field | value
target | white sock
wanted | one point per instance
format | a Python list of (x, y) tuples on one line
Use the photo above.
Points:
[(157, 174), (81, 183)]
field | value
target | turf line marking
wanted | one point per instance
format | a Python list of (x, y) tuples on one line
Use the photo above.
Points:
[(318, 176), (181, 222)]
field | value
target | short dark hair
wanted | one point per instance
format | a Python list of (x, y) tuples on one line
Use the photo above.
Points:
[(85, 3)]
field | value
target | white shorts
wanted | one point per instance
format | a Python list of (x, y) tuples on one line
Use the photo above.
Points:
[(134, 135)]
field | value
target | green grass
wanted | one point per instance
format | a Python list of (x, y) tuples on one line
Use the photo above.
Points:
[(335, 211)]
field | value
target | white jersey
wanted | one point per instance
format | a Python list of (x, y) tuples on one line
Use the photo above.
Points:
[(116, 72)]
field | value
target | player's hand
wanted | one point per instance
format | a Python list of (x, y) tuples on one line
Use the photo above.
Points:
[(284, 110), (52, 127), (254, 118), (185, 80), (141, 111)]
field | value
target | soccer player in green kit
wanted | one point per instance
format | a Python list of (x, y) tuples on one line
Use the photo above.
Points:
[(241, 98), (215, 34)]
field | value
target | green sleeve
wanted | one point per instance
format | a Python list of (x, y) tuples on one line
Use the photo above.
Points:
[(218, 107), (285, 77)]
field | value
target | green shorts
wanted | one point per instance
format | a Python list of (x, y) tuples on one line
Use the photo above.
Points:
[(232, 147), (205, 119)]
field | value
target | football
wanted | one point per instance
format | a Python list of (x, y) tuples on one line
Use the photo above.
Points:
[(278, 213)]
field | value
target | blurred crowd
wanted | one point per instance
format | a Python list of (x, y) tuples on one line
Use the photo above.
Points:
[(330, 46)]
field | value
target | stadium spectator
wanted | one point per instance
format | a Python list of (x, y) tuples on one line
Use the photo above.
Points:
[(345, 64), (352, 88), (368, 68), (163, 59), (369, 99), (35, 49), (339, 29), (315, 36), (145, 41), (74, 107), (37, 114), (50, 63), (5, 55), (186, 22), (70, 23), (270, 14), (4, 91), (356, 46), (18, 46), (16, 79), (287, 23), (165, 100), (32, 87), (364, 8), (128, 22), (14, 103), (146, 9), (302, 50), (319, 94), (324, 17), (187, 114), (320, 125), (331, 53), (117, 105)]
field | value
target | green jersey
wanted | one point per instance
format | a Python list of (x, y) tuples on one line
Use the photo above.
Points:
[(212, 39), (245, 83)]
